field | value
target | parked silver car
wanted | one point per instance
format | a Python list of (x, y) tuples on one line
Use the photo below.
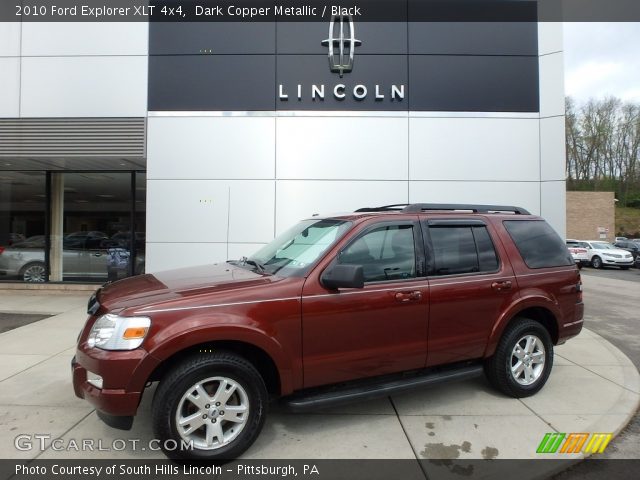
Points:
[(84, 255)]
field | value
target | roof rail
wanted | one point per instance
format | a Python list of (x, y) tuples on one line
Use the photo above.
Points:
[(386, 208), (421, 207)]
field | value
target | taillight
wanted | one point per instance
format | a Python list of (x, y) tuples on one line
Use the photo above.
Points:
[(579, 288), (1, 250)]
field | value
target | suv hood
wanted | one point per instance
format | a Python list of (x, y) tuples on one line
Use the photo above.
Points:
[(171, 285)]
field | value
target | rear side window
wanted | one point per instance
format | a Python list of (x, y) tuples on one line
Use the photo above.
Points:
[(538, 244), (462, 249)]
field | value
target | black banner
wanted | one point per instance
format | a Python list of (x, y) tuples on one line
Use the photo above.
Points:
[(319, 469), (319, 10)]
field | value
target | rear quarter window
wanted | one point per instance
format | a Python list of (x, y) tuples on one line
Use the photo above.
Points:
[(538, 244)]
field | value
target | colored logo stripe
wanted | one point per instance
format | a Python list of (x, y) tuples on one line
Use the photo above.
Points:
[(550, 443), (598, 443), (574, 443)]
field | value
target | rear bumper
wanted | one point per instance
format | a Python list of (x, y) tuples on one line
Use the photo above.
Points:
[(574, 327)]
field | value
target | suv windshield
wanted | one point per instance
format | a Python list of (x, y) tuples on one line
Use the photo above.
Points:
[(294, 251), (602, 246)]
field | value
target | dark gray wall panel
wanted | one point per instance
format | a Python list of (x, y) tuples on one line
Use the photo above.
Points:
[(487, 38), (177, 38), (368, 70), (473, 83), (212, 82), (377, 38)]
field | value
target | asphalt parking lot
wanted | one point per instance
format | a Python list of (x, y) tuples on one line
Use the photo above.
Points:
[(612, 309)]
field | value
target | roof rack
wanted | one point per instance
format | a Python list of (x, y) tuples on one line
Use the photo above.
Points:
[(421, 207), (386, 208)]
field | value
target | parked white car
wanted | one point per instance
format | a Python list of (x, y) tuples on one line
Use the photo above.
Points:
[(579, 251), (603, 254)]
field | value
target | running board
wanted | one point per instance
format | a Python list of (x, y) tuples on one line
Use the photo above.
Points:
[(368, 389)]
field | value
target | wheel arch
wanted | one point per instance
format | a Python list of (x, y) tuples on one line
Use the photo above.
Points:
[(537, 313), (258, 357)]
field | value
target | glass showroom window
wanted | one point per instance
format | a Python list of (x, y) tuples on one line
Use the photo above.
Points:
[(22, 226), (91, 218)]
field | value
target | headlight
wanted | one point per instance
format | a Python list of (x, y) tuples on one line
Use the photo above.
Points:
[(112, 332)]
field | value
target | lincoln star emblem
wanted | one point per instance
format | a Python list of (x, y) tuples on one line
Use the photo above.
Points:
[(342, 43)]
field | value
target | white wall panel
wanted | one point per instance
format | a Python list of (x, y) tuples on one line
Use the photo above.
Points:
[(239, 250), (200, 210), (10, 39), (553, 148), (552, 85), (342, 148), (9, 87), (205, 147), (85, 38), (187, 210), (167, 256), (84, 86), (521, 194), (474, 149), (251, 211), (550, 37), (296, 200), (554, 205)]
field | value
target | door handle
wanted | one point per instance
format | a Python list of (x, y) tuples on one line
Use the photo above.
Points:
[(97, 254), (501, 285), (404, 297)]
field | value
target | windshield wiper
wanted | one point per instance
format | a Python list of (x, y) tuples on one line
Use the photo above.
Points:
[(245, 261)]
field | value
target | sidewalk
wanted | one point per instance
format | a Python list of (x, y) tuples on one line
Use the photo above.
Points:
[(593, 388)]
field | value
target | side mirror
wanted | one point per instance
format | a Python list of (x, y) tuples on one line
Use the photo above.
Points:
[(343, 276)]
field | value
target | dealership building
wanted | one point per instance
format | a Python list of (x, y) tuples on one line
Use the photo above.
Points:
[(207, 139)]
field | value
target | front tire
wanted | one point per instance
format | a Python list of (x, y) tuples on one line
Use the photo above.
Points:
[(215, 402), (596, 262), (523, 359)]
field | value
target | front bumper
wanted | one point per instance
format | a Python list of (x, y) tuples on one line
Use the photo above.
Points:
[(114, 398), (620, 262)]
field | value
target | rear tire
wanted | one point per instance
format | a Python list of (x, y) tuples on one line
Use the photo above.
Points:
[(523, 359), (218, 401)]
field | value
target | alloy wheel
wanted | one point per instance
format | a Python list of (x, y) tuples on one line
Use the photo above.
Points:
[(212, 413), (527, 360), (34, 274)]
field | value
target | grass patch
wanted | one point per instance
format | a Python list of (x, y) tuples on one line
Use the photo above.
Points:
[(628, 222)]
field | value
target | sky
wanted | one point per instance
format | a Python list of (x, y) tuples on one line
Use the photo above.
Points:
[(602, 59)]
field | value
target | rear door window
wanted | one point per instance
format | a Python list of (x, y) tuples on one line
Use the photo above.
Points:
[(538, 243), (460, 249)]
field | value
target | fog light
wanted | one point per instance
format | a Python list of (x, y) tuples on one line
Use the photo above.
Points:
[(95, 380)]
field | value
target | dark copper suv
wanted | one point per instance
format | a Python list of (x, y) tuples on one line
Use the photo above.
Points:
[(333, 310)]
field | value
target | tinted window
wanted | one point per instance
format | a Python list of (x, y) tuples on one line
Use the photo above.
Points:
[(461, 249), (538, 244), (296, 249), (385, 253), (487, 257)]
